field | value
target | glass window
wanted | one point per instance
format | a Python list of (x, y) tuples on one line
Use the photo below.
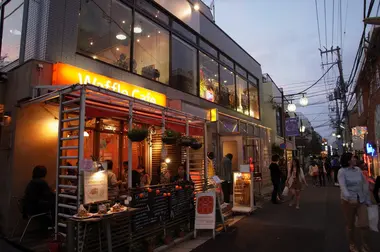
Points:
[(185, 32), (226, 61), (208, 48), (254, 107), (241, 71), (242, 95), (151, 50), (209, 80), (104, 32), (184, 67), (227, 88), (153, 11), (12, 27), (252, 79), (228, 124)]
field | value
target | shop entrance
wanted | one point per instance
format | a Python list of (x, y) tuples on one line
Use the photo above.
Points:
[(233, 145)]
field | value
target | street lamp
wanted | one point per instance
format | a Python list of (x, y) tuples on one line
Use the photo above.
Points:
[(302, 129), (338, 136), (333, 134), (292, 107), (304, 101)]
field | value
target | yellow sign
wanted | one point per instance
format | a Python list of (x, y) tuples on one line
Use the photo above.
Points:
[(64, 74)]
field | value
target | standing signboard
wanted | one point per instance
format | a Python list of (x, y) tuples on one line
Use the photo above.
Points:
[(205, 211), (95, 186)]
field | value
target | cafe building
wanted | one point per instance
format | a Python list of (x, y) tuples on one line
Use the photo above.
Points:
[(169, 55)]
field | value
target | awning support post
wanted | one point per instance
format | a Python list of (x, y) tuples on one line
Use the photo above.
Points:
[(187, 153), (130, 125)]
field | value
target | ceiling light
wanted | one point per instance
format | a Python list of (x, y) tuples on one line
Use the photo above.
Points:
[(215, 75), (94, 57), (138, 40), (159, 31), (121, 36), (91, 43), (156, 16), (123, 22), (148, 36), (85, 134), (137, 29), (117, 49), (167, 160), (225, 81), (196, 7)]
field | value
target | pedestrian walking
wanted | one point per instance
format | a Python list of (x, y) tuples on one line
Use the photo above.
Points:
[(321, 172), (275, 174), (335, 165), (295, 180), (355, 199), (313, 172), (327, 167)]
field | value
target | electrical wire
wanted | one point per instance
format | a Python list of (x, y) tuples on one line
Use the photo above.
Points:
[(319, 32), (333, 19), (325, 22)]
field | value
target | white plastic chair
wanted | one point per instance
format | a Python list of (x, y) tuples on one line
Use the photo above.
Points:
[(29, 218)]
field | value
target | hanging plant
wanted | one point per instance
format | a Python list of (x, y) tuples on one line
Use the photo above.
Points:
[(187, 141), (137, 135), (195, 145), (170, 137)]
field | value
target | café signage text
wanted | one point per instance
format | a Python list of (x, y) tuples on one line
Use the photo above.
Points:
[(64, 74)]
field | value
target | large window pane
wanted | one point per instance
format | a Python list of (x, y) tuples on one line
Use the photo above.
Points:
[(104, 32), (241, 71), (242, 95), (209, 81), (227, 88), (151, 50), (12, 27), (184, 67), (254, 107), (205, 46), (252, 79), (226, 61), (185, 32), (149, 8)]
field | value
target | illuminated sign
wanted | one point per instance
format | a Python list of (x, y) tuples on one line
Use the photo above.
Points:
[(370, 150), (64, 74)]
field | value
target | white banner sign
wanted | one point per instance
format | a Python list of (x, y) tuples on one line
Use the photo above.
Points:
[(95, 186), (205, 210)]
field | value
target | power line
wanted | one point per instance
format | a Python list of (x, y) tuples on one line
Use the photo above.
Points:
[(319, 32), (325, 22), (345, 25), (332, 29)]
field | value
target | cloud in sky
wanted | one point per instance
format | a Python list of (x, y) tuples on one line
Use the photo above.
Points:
[(283, 37)]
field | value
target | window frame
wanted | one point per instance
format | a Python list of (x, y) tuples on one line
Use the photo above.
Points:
[(195, 44)]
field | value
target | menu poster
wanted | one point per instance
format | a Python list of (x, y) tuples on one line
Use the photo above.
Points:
[(95, 186), (205, 210)]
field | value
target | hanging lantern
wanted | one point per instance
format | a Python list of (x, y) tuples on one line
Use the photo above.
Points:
[(292, 107), (304, 101)]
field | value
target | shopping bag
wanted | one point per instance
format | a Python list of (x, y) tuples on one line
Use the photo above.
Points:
[(373, 217), (286, 191)]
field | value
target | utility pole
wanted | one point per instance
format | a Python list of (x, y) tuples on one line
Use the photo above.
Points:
[(283, 123), (339, 93)]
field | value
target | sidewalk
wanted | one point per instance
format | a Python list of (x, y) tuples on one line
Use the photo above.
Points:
[(317, 227)]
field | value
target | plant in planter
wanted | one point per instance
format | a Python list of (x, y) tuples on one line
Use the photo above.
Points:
[(170, 137), (187, 141), (195, 145), (137, 135)]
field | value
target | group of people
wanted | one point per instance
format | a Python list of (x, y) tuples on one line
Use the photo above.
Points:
[(324, 172), (292, 178)]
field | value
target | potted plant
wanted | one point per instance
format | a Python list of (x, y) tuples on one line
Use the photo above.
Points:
[(170, 137), (137, 134), (186, 141), (195, 145)]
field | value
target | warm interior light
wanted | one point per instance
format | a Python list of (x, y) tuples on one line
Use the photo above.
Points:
[(53, 126), (137, 29), (196, 6), (85, 134), (121, 36), (167, 160)]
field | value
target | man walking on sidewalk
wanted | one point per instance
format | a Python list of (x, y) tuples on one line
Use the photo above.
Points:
[(275, 174)]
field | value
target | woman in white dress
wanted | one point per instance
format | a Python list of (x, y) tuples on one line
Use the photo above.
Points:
[(295, 179)]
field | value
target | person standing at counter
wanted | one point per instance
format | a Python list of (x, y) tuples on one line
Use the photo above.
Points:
[(225, 173), (113, 183), (181, 176)]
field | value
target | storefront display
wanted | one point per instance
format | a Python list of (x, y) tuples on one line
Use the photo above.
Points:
[(243, 192)]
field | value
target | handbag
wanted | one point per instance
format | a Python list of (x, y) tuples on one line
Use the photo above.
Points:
[(286, 191), (373, 217)]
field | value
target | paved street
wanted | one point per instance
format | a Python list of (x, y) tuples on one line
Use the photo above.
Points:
[(318, 226)]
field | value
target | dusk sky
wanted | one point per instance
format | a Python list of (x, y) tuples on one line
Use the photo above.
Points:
[(282, 35)]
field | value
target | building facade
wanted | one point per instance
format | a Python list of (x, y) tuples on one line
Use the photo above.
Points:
[(168, 53), (365, 106)]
